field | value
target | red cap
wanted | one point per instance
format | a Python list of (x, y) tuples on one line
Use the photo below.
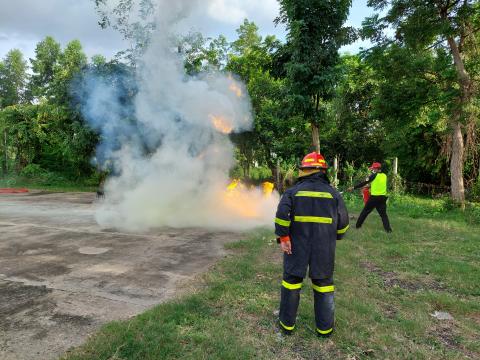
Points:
[(314, 160), (375, 165)]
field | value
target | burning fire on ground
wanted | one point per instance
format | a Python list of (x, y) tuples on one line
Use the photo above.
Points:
[(248, 202)]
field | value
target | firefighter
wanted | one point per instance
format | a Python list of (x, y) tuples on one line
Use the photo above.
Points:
[(378, 196), (310, 218)]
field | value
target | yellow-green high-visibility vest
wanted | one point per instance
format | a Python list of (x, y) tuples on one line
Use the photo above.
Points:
[(379, 185)]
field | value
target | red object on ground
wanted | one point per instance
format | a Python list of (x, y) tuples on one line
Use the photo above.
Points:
[(366, 194), (13, 191)]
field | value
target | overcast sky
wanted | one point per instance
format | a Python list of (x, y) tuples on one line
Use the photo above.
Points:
[(23, 23)]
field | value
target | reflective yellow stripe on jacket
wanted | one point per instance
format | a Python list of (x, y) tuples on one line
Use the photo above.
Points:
[(314, 219), (343, 231), (315, 194), (282, 222)]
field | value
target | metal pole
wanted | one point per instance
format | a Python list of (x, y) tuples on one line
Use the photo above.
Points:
[(335, 171), (395, 174)]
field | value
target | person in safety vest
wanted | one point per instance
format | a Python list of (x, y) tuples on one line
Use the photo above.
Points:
[(310, 218), (378, 196)]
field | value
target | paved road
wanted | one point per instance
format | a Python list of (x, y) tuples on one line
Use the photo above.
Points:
[(62, 276)]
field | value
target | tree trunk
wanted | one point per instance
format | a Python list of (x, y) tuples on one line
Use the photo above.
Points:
[(315, 138), (457, 156), (456, 164), (277, 177)]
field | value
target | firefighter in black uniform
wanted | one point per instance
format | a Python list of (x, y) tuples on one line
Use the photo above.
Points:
[(378, 197), (311, 217)]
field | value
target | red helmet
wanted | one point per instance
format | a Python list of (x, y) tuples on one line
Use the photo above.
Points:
[(314, 160), (375, 165)]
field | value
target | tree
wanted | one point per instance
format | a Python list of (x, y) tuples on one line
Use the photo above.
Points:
[(203, 54), (47, 55), (133, 19), (71, 61), (440, 24), (315, 33), (353, 132), (13, 78), (276, 136)]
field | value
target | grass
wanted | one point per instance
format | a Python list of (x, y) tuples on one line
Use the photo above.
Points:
[(56, 185), (386, 288)]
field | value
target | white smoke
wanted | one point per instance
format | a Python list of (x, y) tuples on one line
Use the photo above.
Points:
[(181, 181)]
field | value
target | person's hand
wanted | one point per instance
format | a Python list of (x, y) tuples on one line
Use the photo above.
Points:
[(286, 247), (350, 189)]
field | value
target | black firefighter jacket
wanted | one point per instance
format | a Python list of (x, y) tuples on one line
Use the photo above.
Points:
[(314, 215)]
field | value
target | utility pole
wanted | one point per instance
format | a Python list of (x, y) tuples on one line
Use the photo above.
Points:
[(395, 174), (335, 171)]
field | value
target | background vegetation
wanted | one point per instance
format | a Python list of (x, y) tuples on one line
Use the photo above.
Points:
[(405, 97)]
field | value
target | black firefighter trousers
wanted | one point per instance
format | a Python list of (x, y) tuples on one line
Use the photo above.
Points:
[(324, 306), (378, 202)]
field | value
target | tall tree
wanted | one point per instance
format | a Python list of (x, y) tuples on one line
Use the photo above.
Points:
[(133, 19), (447, 24), (13, 78), (71, 61), (47, 54), (315, 33)]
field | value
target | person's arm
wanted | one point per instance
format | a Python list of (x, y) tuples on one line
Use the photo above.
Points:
[(342, 218), (368, 181), (282, 222)]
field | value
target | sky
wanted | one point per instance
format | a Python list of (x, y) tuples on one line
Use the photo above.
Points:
[(23, 23)]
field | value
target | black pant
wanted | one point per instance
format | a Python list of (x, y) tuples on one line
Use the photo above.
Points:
[(379, 203), (324, 306)]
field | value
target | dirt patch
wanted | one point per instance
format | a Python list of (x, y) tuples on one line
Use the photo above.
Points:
[(448, 335), (75, 320), (389, 311), (392, 279), (18, 299)]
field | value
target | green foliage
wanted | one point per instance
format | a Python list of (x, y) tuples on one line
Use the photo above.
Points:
[(429, 79), (133, 19), (71, 61), (353, 131), (33, 171), (13, 78), (315, 33), (44, 66)]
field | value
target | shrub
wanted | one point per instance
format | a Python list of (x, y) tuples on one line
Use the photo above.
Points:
[(34, 171)]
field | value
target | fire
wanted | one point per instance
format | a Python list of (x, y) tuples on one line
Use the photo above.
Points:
[(246, 202), (222, 125), (236, 89), (267, 188)]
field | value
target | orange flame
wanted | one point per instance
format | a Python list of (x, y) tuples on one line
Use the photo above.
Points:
[(221, 124), (267, 188), (245, 202), (236, 89)]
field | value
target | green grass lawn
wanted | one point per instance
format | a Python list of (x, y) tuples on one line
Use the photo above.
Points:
[(386, 288), (60, 185)]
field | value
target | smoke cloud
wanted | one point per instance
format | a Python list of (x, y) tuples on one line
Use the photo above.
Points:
[(170, 165)]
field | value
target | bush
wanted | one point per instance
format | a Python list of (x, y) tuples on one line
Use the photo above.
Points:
[(472, 213), (34, 171), (474, 193)]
